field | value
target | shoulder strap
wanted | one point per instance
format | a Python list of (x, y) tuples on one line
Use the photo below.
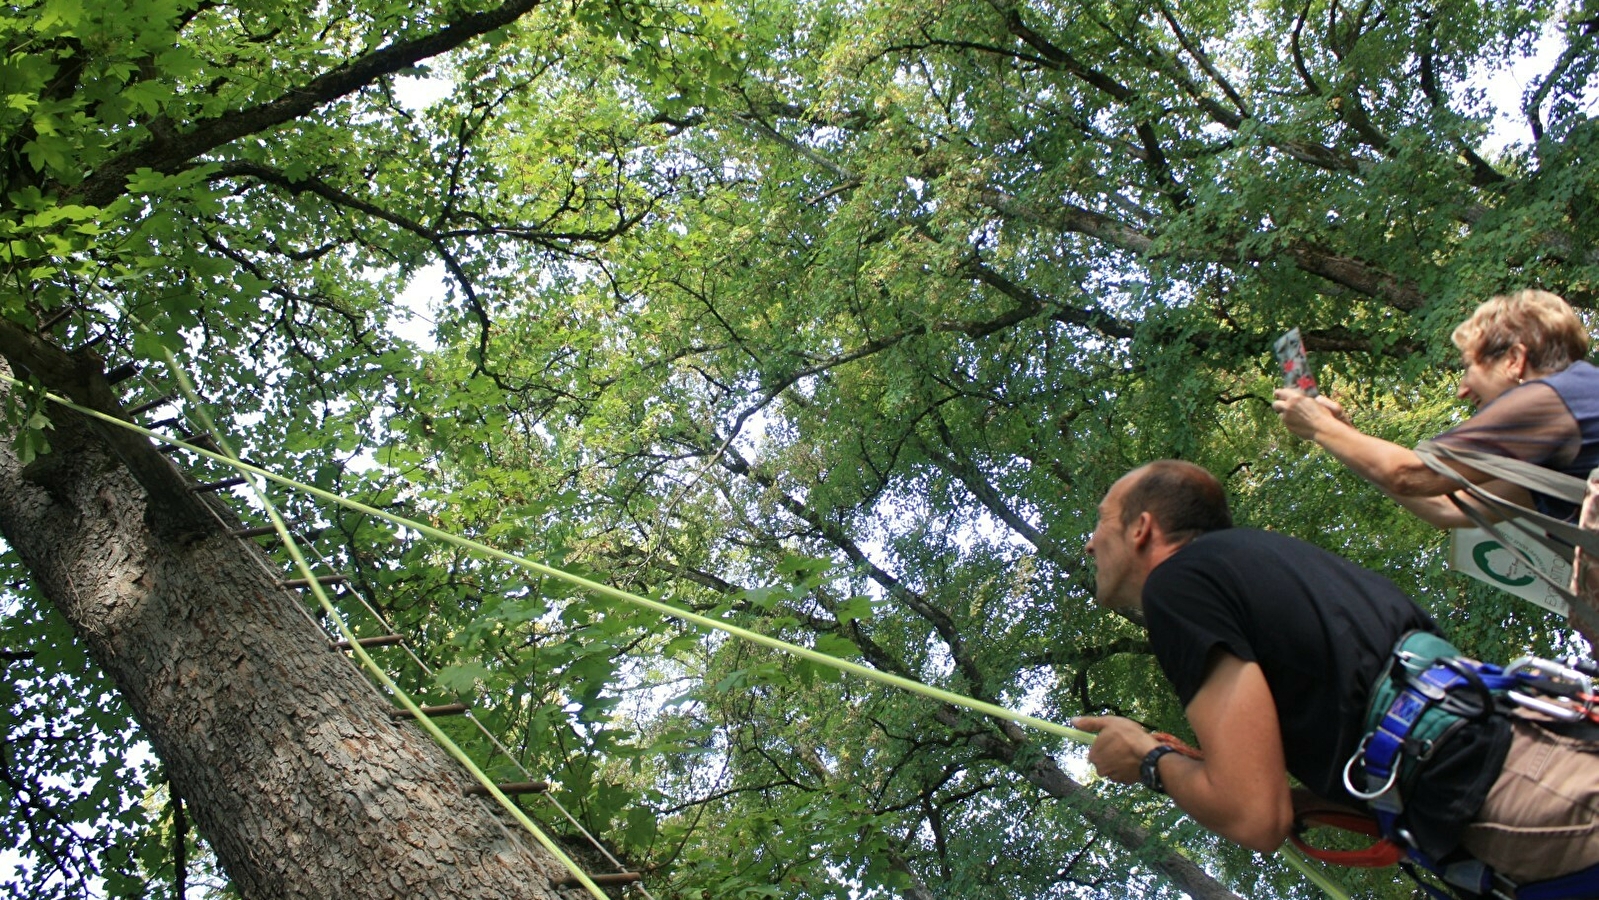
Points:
[(1528, 475), (1559, 536)]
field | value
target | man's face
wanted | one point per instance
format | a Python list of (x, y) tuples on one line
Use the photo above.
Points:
[(1113, 554)]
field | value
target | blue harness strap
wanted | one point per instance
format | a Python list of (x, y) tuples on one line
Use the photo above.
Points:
[(1401, 738), (1579, 885)]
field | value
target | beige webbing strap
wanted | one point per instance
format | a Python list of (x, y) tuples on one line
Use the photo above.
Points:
[(1575, 543), (1558, 535), (1531, 476)]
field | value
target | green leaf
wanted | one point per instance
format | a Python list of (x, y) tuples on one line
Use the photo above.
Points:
[(836, 646), (854, 609), (641, 827), (462, 679)]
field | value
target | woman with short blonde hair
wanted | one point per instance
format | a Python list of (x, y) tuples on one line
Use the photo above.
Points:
[(1537, 401), (1541, 322)]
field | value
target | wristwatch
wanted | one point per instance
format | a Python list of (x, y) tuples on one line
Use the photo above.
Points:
[(1149, 772)]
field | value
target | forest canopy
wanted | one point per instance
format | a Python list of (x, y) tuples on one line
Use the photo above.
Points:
[(834, 320)]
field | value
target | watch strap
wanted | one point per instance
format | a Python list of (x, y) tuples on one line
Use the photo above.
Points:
[(1149, 770)]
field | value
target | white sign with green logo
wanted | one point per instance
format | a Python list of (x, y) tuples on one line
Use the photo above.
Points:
[(1484, 557)]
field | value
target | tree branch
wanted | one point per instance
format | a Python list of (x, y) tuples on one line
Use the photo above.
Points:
[(184, 150)]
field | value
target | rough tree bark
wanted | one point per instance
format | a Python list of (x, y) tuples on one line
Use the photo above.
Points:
[(289, 760)]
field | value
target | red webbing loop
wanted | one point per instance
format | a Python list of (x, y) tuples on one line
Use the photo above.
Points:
[(1379, 855), (1176, 743)]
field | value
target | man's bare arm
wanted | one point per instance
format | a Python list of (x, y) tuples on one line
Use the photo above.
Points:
[(1240, 789)]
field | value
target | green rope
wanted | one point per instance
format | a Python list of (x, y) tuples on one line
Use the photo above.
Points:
[(1296, 858), (1321, 880), (604, 590)]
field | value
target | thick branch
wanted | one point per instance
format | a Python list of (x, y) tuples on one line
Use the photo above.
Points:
[(1482, 174), (1342, 270), (1092, 317), (184, 150), (1581, 44)]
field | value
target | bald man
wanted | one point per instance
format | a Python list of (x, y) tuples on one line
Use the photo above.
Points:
[(1273, 646)]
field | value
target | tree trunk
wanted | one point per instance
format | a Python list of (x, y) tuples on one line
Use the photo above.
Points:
[(289, 761)]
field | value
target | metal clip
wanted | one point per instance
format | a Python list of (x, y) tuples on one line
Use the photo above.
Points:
[(1550, 677), (1548, 707), (1553, 678), (1360, 756)]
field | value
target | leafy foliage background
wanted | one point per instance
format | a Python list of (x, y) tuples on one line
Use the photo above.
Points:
[(831, 319)]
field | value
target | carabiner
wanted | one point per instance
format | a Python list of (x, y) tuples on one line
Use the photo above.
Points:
[(1359, 755)]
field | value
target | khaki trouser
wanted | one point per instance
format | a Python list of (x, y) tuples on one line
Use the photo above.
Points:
[(1541, 817)]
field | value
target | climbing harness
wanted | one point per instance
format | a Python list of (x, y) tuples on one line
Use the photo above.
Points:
[(1427, 695)]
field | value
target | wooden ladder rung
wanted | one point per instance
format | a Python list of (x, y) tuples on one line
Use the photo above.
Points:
[(323, 580), (448, 709), (222, 485), (257, 531), (122, 373), (56, 318), (265, 530), (382, 640), (510, 788), (157, 403), (204, 442), (602, 880)]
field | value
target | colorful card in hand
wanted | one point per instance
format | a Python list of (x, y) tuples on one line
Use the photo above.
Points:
[(1290, 352)]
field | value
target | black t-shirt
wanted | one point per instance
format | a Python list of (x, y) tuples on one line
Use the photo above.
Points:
[(1322, 630)]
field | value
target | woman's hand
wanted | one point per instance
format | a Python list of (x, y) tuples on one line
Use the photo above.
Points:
[(1304, 415)]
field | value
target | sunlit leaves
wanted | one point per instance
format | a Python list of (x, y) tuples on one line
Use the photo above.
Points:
[(931, 293), (72, 763), (831, 320)]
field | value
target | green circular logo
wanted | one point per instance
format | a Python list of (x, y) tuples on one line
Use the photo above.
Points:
[(1479, 554)]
